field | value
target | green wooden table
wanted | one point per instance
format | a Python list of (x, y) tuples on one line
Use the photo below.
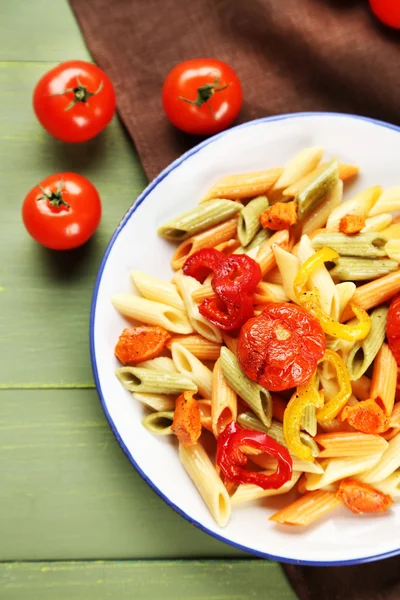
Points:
[(76, 520)]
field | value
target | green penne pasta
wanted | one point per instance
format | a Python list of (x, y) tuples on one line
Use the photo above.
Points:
[(351, 268), (249, 219), (147, 381), (363, 353), (366, 245), (316, 189), (258, 398), (309, 421), (197, 219), (262, 236), (159, 423), (250, 421)]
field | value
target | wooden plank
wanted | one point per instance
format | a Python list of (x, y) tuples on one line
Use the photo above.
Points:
[(44, 295), (41, 30), (68, 491), (194, 580)]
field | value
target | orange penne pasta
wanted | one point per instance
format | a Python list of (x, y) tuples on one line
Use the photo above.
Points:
[(205, 291), (245, 185), (274, 276), (265, 256), (340, 444), (374, 293), (230, 342), (361, 387), (394, 423), (223, 401), (205, 414), (384, 378), (265, 292), (308, 508), (198, 345), (228, 247), (206, 239)]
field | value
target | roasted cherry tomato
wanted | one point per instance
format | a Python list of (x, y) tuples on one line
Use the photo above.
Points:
[(393, 328), (236, 276), (202, 96), (74, 101), (62, 212), (226, 315), (203, 262), (387, 11), (281, 347)]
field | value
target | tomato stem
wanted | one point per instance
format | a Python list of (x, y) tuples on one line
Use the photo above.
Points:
[(205, 92), (54, 198), (81, 93)]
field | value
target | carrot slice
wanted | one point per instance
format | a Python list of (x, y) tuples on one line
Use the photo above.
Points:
[(140, 343), (280, 215), (362, 498), (366, 416), (187, 422)]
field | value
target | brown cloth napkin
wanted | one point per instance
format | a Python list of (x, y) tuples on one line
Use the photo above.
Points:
[(291, 55)]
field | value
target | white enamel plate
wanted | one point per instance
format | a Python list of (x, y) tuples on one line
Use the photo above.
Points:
[(341, 538)]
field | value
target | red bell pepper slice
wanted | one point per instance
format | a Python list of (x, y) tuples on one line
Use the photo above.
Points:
[(231, 459), (203, 262), (226, 315), (236, 276)]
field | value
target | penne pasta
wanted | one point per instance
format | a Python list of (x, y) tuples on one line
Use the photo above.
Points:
[(205, 414), (157, 290), (186, 286), (288, 266), (340, 468), (152, 313), (266, 256), (198, 345), (320, 278), (352, 268), (262, 236), (161, 363), (394, 423), (359, 205), (366, 245), (364, 352), (247, 492), (344, 293), (148, 381), (231, 342), (342, 444), (246, 185), (228, 247), (309, 420), (345, 172), (388, 201), (393, 250), (374, 293), (200, 469), (384, 378), (269, 292), (387, 464), (159, 423), (269, 463), (206, 239), (223, 401), (393, 231), (274, 276), (316, 189), (390, 485), (158, 402), (255, 396), (192, 368), (308, 509), (361, 388), (378, 223), (198, 219), (301, 165), (319, 215), (249, 219)]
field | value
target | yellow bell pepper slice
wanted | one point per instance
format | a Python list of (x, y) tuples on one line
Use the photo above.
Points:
[(350, 333), (309, 266), (332, 408), (306, 395)]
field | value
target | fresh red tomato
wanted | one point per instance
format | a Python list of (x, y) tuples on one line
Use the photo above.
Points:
[(202, 96), (281, 347), (387, 11), (393, 328), (74, 101), (62, 212)]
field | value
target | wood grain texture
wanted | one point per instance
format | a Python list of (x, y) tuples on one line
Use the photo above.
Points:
[(69, 492), (45, 295), (152, 580)]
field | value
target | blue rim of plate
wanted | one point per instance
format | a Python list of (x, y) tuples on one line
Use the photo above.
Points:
[(111, 243)]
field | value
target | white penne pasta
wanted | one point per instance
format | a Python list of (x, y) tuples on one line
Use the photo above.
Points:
[(344, 292), (152, 313), (269, 292), (301, 165), (190, 366), (158, 402), (390, 485), (393, 231), (378, 223), (393, 249), (186, 286), (319, 216), (359, 205), (157, 290), (319, 279), (387, 464), (247, 492), (197, 345), (205, 414), (361, 388), (388, 201), (303, 466), (204, 476), (342, 347), (161, 363), (340, 468), (223, 401), (342, 444), (288, 266)]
